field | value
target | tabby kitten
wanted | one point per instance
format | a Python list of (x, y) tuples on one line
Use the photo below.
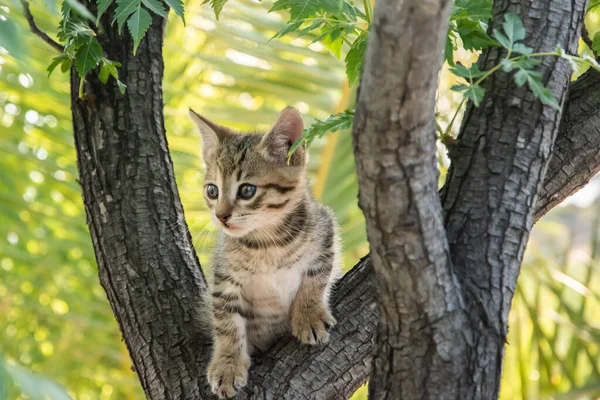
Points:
[(277, 253)]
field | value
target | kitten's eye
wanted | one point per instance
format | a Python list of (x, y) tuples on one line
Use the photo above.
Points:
[(246, 191), (212, 191)]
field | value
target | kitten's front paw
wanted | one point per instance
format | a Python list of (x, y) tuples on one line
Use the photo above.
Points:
[(312, 326), (227, 376)]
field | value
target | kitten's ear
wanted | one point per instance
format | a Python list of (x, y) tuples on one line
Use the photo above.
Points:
[(284, 132), (211, 133)]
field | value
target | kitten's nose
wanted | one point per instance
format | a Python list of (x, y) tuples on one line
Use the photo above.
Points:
[(223, 217)]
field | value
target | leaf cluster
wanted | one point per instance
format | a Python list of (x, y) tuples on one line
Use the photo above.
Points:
[(468, 26), (333, 22), (519, 60), (77, 30)]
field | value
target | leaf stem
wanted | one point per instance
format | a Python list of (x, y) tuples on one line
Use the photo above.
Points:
[(447, 131), (81, 80), (344, 37), (368, 10)]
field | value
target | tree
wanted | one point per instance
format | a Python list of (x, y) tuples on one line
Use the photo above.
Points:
[(426, 342)]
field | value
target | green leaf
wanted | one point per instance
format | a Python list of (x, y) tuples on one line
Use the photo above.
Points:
[(333, 123), (124, 9), (459, 88), (475, 10), (66, 65), (522, 49), (289, 28), (513, 27), (56, 62), (507, 65), (217, 6), (10, 38), (156, 6), (88, 56), (299, 9), (534, 81), (65, 11), (468, 73), (138, 25), (333, 42), (521, 77), (473, 35), (504, 41), (521, 62), (177, 6), (449, 49), (513, 32), (355, 58), (103, 74), (72, 28), (596, 43), (102, 6), (80, 9), (108, 68), (473, 92), (122, 86)]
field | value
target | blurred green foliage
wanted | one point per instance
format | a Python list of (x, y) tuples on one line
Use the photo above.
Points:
[(54, 316)]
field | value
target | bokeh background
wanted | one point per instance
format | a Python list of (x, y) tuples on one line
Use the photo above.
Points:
[(58, 337)]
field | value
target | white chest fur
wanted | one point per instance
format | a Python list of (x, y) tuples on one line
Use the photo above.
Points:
[(273, 290)]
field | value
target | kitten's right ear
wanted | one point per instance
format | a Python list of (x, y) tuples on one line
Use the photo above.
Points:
[(211, 133)]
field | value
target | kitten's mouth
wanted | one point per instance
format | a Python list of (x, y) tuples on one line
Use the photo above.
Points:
[(230, 228)]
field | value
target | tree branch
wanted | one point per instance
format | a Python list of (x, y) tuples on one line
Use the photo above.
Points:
[(37, 31), (576, 154)]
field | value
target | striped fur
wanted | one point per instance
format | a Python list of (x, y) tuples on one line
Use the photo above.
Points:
[(277, 255)]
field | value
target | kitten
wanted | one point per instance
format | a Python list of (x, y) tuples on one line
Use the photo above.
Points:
[(277, 253)]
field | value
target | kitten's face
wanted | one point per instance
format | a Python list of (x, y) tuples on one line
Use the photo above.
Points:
[(249, 186)]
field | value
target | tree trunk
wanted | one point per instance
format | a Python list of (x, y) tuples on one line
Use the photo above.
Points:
[(493, 184), (152, 277), (443, 323), (143, 249), (419, 348)]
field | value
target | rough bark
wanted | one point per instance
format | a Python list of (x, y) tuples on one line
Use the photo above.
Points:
[(152, 278), (576, 156), (420, 348), (143, 249), (493, 184)]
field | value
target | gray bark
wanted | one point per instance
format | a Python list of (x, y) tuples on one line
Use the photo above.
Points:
[(492, 187), (576, 156), (439, 338), (152, 277), (420, 351), (144, 252)]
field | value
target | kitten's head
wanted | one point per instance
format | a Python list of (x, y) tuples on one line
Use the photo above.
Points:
[(249, 185)]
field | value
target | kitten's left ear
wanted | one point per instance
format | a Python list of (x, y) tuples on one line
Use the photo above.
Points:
[(212, 134), (284, 132)]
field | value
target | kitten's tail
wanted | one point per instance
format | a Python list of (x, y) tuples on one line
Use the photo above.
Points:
[(203, 323)]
